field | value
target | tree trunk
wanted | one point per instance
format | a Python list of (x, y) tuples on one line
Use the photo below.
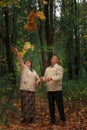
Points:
[(9, 55), (43, 60), (48, 10), (77, 42)]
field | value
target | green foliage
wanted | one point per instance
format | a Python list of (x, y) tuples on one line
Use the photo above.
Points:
[(42, 90), (8, 93), (75, 90)]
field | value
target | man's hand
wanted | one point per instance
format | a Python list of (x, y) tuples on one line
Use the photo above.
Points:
[(48, 79), (41, 79)]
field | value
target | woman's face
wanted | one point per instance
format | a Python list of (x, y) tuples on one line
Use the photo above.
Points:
[(28, 63)]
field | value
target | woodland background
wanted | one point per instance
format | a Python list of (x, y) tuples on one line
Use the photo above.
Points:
[(63, 33)]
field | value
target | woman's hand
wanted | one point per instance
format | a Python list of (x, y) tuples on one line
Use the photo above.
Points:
[(15, 50), (37, 83)]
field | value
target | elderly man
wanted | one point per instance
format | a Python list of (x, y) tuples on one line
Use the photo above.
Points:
[(53, 77)]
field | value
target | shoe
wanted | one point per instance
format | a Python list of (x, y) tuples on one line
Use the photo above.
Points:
[(23, 120)]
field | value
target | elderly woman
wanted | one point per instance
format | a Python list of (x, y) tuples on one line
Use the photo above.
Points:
[(29, 80)]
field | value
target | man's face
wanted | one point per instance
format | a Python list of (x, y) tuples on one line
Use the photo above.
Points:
[(28, 63), (54, 60)]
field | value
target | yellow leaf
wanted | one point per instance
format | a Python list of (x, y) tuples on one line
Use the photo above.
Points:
[(45, 2), (26, 27), (41, 15), (32, 47), (27, 45), (23, 52)]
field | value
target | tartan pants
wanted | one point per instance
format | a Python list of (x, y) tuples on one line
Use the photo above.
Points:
[(27, 104)]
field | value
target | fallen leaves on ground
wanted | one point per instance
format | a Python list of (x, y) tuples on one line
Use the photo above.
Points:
[(76, 118)]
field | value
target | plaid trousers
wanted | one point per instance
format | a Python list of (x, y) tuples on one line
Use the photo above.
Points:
[(27, 104)]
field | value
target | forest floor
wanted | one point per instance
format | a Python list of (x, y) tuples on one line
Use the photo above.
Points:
[(76, 118)]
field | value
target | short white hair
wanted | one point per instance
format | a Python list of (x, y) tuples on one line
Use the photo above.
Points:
[(55, 57)]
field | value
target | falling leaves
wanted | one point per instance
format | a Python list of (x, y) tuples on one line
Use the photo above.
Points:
[(45, 2), (31, 24), (41, 15)]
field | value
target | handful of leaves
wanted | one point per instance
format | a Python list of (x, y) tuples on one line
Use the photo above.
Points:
[(26, 47)]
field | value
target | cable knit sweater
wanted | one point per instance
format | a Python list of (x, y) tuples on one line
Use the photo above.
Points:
[(27, 78), (56, 72)]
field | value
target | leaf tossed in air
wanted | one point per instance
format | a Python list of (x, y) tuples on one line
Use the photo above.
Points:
[(32, 15), (26, 47), (45, 2), (31, 24), (41, 15), (32, 47)]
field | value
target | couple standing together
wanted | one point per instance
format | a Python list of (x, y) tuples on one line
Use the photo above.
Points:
[(29, 80)]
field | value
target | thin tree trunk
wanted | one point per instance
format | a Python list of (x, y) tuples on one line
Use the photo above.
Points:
[(9, 55), (43, 61), (48, 10), (77, 43)]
